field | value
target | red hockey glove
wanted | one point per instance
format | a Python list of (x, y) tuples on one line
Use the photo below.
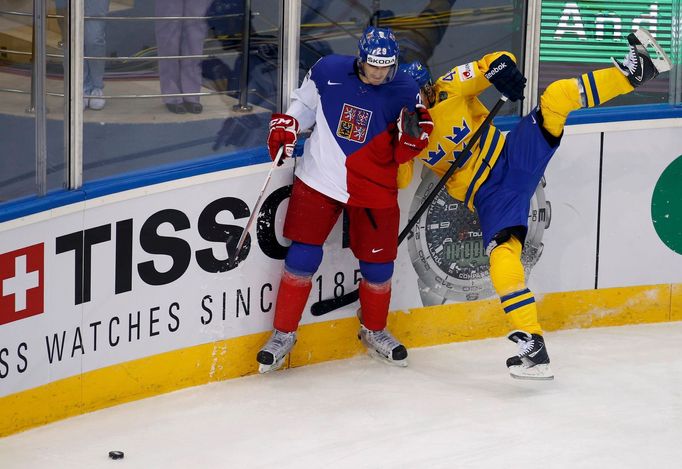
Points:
[(414, 129), (425, 121), (283, 132)]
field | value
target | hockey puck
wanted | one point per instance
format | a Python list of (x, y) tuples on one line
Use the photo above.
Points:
[(116, 454)]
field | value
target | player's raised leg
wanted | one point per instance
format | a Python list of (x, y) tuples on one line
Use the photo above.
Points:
[(639, 66), (594, 88)]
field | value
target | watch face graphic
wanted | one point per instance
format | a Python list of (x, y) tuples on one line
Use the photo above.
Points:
[(446, 246), (454, 240)]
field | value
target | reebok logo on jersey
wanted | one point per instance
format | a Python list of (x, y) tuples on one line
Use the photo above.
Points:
[(21, 283), (493, 71), (466, 72), (353, 123)]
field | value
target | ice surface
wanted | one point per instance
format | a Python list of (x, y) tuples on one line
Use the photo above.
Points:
[(616, 402)]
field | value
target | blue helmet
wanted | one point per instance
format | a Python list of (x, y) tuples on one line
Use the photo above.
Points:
[(378, 47), (421, 75), (417, 71)]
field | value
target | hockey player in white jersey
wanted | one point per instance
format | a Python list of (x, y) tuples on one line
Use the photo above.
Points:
[(367, 121)]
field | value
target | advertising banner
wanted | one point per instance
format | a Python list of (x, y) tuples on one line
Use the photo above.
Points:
[(593, 31), (147, 271), (641, 229)]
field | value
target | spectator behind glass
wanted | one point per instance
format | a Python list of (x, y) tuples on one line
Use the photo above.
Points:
[(94, 46), (226, 22), (176, 37)]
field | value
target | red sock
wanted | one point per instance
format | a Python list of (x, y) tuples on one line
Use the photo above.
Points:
[(374, 301), (291, 299)]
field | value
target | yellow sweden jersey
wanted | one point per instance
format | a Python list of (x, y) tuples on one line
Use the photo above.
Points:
[(457, 114)]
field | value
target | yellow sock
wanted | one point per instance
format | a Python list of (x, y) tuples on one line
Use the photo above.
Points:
[(507, 275), (589, 90), (604, 85)]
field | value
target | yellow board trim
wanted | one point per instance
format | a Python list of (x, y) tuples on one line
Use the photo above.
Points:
[(676, 302), (331, 340)]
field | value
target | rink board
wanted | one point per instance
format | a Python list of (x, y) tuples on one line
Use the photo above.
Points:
[(129, 295)]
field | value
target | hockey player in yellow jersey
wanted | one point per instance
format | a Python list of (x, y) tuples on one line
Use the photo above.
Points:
[(500, 177)]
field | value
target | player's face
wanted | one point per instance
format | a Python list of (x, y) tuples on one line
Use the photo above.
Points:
[(374, 75), (428, 95), (424, 98)]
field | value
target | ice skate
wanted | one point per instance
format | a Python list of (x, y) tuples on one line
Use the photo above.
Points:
[(383, 346), (272, 355), (532, 362), (638, 66)]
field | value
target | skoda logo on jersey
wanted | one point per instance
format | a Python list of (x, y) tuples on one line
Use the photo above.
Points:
[(380, 61)]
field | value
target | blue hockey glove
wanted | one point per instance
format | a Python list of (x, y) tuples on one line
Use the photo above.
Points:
[(506, 77)]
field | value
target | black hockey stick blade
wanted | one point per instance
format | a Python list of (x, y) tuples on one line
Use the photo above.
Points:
[(330, 304)]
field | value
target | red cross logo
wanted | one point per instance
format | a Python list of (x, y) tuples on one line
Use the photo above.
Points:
[(21, 283)]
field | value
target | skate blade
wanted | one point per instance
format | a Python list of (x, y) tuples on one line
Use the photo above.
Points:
[(662, 62), (379, 357), (537, 372), (262, 369)]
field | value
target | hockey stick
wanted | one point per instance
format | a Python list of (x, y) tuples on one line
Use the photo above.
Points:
[(325, 306), (242, 238)]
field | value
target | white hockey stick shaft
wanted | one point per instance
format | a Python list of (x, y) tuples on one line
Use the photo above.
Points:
[(242, 238)]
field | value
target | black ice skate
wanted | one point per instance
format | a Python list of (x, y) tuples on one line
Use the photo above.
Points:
[(638, 66), (272, 355), (532, 362)]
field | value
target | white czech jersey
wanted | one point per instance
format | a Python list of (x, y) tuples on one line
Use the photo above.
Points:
[(349, 156)]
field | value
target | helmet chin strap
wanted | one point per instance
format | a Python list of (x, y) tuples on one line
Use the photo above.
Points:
[(359, 69)]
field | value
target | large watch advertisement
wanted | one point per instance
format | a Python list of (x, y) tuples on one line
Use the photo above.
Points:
[(446, 245), (143, 272)]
